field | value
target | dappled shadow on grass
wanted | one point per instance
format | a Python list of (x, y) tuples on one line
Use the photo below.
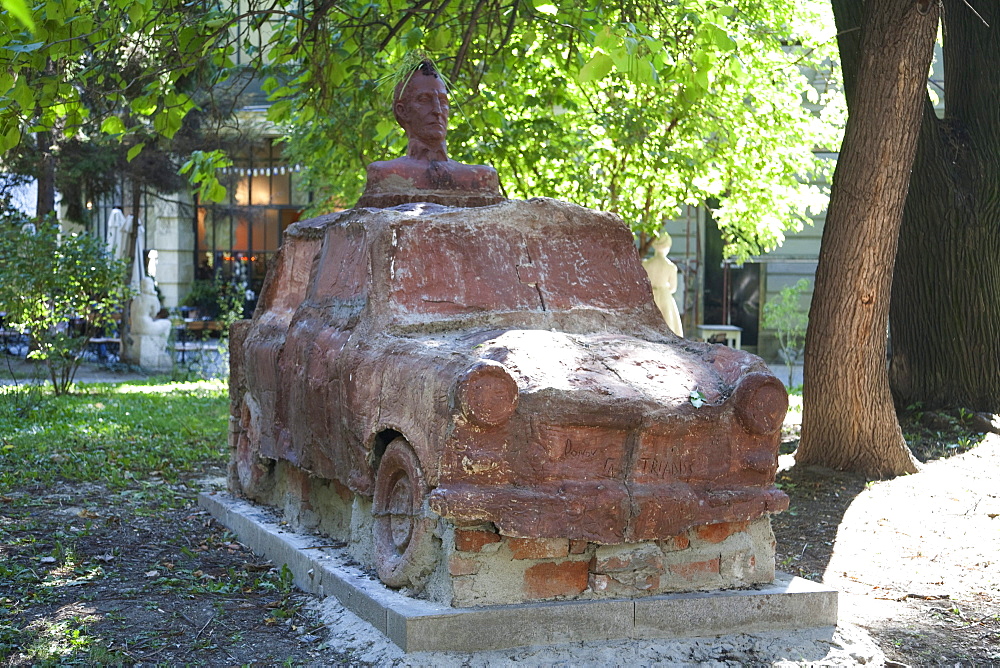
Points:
[(105, 560), (112, 433), (94, 577)]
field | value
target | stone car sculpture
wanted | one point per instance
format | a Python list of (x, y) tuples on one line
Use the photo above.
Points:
[(501, 367)]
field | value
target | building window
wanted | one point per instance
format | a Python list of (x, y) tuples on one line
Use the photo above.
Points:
[(237, 239)]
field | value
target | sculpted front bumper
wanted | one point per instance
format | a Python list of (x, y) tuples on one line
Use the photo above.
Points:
[(608, 512)]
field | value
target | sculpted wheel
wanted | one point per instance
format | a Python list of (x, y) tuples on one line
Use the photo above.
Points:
[(404, 546)]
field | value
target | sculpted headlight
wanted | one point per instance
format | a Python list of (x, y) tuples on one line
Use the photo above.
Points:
[(487, 395), (761, 403)]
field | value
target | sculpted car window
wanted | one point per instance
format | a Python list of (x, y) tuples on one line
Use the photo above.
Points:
[(342, 270), (588, 267), (453, 270), (287, 281)]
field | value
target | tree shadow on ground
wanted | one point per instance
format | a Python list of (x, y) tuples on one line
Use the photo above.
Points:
[(807, 531), (913, 560)]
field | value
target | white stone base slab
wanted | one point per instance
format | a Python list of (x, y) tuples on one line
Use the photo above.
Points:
[(415, 625)]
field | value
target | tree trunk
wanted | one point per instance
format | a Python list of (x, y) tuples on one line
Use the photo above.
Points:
[(848, 419), (133, 234), (129, 352), (945, 313), (45, 201)]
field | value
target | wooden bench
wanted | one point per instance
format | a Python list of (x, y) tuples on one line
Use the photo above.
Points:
[(731, 334)]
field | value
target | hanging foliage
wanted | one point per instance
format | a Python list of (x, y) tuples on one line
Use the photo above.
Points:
[(637, 107)]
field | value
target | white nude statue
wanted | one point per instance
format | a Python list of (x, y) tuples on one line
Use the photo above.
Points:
[(149, 334), (663, 277)]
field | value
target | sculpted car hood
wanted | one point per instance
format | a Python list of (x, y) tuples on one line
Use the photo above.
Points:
[(615, 439), (618, 367)]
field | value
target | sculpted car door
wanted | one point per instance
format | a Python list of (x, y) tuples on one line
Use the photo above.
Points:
[(283, 292), (312, 360)]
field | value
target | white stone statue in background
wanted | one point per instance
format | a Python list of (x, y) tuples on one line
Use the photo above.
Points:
[(118, 232), (149, 334), (663, 277)]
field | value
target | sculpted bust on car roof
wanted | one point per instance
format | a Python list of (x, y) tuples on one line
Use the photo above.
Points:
[(420, 376), (425, 173)]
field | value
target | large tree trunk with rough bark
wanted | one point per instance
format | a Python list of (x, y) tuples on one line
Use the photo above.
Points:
[(945, 312), (848, 419)]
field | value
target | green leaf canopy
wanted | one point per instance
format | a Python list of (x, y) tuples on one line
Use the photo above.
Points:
[(635, 107)]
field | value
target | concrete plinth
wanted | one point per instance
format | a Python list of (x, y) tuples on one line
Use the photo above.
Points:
[(415, 625)]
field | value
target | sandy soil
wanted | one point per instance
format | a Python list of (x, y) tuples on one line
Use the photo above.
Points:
[(915, 557)]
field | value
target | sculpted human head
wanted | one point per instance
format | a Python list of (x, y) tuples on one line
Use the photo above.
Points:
[(663, 242), (421, 106)]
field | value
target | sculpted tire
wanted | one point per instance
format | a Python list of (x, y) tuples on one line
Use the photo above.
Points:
[(405, 549)]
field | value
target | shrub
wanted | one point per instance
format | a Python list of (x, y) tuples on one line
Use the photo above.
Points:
[(48, 278), (785, 316)]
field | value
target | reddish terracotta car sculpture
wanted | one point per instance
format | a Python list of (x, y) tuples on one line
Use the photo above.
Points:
[(504, 364)]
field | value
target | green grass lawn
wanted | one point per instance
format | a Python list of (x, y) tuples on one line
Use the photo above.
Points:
[(111, 434)]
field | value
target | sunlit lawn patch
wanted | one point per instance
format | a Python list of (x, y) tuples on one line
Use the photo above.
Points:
[(113, 434)]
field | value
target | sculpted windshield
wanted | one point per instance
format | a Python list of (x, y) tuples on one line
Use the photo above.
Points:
[(450, 271)]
